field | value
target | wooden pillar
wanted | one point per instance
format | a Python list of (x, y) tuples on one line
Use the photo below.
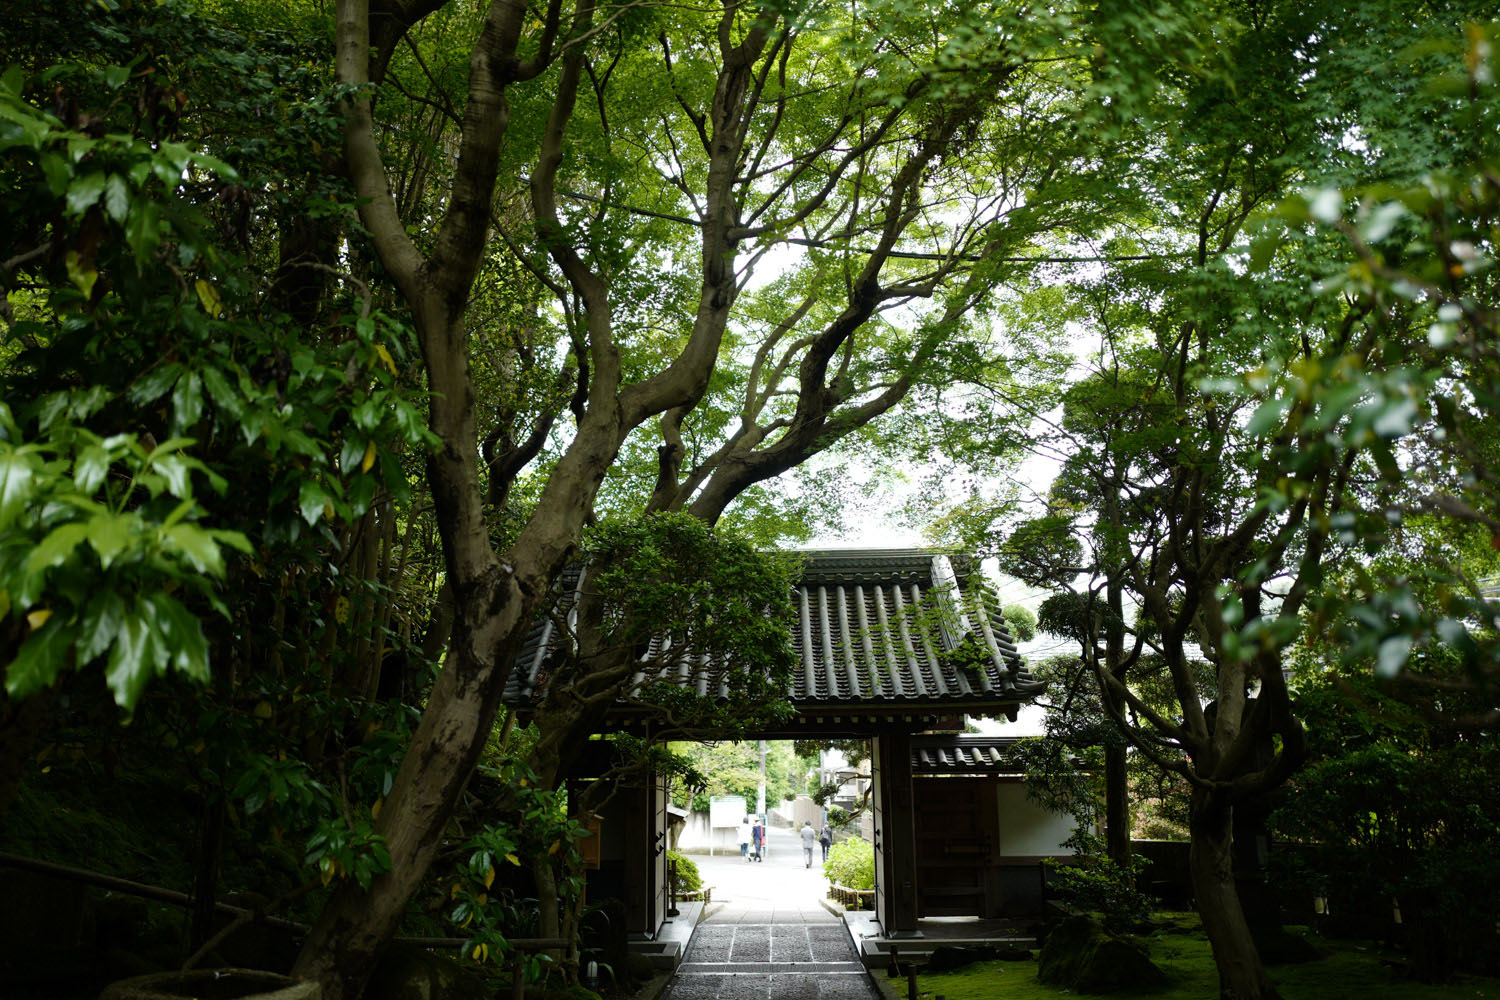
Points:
[(658, 866), (645, 870), (895, 835), (636, 807)]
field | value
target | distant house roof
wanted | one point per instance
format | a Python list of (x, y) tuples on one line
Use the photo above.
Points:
[(873, 635)]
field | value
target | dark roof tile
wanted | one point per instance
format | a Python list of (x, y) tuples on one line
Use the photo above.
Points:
[(872, 632)]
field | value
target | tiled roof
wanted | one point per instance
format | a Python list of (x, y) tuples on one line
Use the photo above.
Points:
[(966, 754), (872, 636)]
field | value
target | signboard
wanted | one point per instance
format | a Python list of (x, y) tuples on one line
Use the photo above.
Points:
[(726, 810)]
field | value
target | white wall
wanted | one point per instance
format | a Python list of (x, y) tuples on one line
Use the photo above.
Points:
[(1028, 830), (697, 837)]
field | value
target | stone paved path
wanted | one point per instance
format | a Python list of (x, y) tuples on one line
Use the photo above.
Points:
[(767, 937)]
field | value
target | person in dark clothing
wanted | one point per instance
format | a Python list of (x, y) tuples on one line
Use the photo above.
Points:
[(825, 838), (758, 840)]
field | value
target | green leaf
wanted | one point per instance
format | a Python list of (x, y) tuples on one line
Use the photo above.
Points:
[(1393, 655), (351, 453), (84, 404), (116, 197), (215, 165), (109, 534), (1266, 415), (100, 624), (311, 499), (223, 395), (185, 638), (56, 547), (361, 494), (52, 408), (90, 468), (142, 229), (179, 512), (367, 416), (39, 660), (57, 172), (175, 469), (198, 546), (80, 272), (84, 191), (1263, 249), (128, 669), (17, 476), (234, 539), (187, 400), (154, 384), (1378, 225), (170, 445)]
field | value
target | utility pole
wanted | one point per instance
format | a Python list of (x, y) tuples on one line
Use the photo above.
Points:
[(760, 793)]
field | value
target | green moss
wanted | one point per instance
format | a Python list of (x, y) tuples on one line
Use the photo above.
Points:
[(1349, 972)]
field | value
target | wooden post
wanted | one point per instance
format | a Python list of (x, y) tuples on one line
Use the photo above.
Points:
[(636, 801), (896, 859)]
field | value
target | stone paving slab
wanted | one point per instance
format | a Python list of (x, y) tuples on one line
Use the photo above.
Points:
[(766, 935), (776, 986)]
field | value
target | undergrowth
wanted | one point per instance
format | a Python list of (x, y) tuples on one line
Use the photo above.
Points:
[(1349, 971)]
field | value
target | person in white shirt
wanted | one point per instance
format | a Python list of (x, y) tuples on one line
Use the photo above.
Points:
[(809, 838), (745, 838)]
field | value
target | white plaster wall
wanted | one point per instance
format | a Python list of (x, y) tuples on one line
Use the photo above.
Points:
[(1028, 830), (697, 837)]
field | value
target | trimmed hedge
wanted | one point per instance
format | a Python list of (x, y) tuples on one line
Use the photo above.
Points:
[(851, 864), (688, 877)]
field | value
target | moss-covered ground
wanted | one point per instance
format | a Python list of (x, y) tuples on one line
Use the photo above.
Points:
[(1348, 971)]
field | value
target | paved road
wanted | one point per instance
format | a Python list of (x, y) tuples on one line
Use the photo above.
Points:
[(767, 936)]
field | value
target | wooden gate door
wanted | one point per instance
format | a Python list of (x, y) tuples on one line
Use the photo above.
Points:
[(877, 803), (659, 885), (957, 838)]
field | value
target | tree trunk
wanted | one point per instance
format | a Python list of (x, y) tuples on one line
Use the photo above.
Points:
[(1242, 976), (494, 604), (549, 910), (1116, 805), (355, 925), (206, 873)]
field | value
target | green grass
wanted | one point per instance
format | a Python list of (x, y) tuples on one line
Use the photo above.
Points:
[(1350, 971)]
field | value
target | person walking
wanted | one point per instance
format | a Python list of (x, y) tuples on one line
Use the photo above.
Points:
[(809, 836), (758, 839), (825, 838), (745, 838)]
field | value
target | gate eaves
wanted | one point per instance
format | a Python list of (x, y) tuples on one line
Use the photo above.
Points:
[(875, 635)]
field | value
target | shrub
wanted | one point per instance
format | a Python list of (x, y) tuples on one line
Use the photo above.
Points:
[(688, 877), (851, 864), (1095, 884)]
